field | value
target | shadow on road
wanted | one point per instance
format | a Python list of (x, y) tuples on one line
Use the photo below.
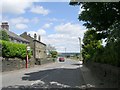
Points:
[(53, 78), (64, 76), (37, 75)]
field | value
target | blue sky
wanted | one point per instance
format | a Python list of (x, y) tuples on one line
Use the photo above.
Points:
[(56, 22)]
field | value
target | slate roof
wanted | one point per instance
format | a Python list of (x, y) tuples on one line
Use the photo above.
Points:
[(34, 40), (39, 42), (17, 37)]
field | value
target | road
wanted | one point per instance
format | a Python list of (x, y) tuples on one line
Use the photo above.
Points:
[(58, 74)]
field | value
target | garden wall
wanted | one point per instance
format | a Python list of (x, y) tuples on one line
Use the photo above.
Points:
[(106, 73), (44, 61), (15, 64)]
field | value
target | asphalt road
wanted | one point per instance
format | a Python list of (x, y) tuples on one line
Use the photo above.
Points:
[(58, 74)]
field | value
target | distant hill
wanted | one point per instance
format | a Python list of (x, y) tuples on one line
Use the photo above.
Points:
[(68, 54)]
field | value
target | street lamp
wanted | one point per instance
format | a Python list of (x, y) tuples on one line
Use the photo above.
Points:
[(27, 49), (80, 48), (65, 52)]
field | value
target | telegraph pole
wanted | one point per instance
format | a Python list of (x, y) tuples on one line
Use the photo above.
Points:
[(65, 51), (80, 48)]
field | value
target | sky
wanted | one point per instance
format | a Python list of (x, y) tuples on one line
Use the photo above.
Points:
[(56, 22)]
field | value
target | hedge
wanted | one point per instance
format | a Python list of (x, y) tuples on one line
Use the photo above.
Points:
[(12, 50)]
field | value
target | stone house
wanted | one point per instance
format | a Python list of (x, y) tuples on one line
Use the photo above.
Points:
[(12, 36), (38, 48)]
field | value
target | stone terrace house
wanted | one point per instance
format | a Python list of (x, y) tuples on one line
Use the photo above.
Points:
[(39, 48), (12, 36)]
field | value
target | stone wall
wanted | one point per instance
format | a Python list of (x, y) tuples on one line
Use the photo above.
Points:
[(106, 73), (44, 61), (40, 50), (15, 64)]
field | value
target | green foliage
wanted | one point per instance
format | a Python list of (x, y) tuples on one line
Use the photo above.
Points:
[(104, 17), (110, 54), (50, 48), (91, 45), (99, 15), (53, 54), (113, 45), (12, 50), (4, 35)]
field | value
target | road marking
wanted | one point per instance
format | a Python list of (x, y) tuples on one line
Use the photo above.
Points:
[(40, 81), (44, 77), (62, 66), (59, 84)]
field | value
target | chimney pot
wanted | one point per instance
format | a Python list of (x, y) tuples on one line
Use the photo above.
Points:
[(35, 36), (39, 38), (5, 25)]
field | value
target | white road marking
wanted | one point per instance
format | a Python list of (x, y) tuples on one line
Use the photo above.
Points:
[(44, 77), (39, 81), (58, 84), (62, 66)]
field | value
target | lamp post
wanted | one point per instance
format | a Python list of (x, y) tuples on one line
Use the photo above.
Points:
[(27, 49), (80, 48), (65, 52)]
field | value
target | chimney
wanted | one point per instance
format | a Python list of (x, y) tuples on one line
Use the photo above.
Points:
[(28, 34), (35, 36), (39, 38), (5, 25)]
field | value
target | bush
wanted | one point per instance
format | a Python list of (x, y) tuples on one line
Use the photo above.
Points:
[(4, 35), (12, 50)]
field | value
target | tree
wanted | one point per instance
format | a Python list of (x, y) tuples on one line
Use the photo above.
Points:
[(99, 15), (104, 18), (4, 35), (113, 45), (50, 48), (54, 54), (91, 45)]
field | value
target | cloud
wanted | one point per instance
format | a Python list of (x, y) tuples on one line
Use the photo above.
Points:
[(47, 25), (39, 10), (55, 20), (19, 20), (1, 8), (20, 23), (40, 32), (53, 1), (0, 17), (66, 36), (71, 29), (21, 26), (16, 6), (35, 20)]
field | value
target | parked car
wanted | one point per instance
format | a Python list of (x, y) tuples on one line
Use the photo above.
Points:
[(61, 59)]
